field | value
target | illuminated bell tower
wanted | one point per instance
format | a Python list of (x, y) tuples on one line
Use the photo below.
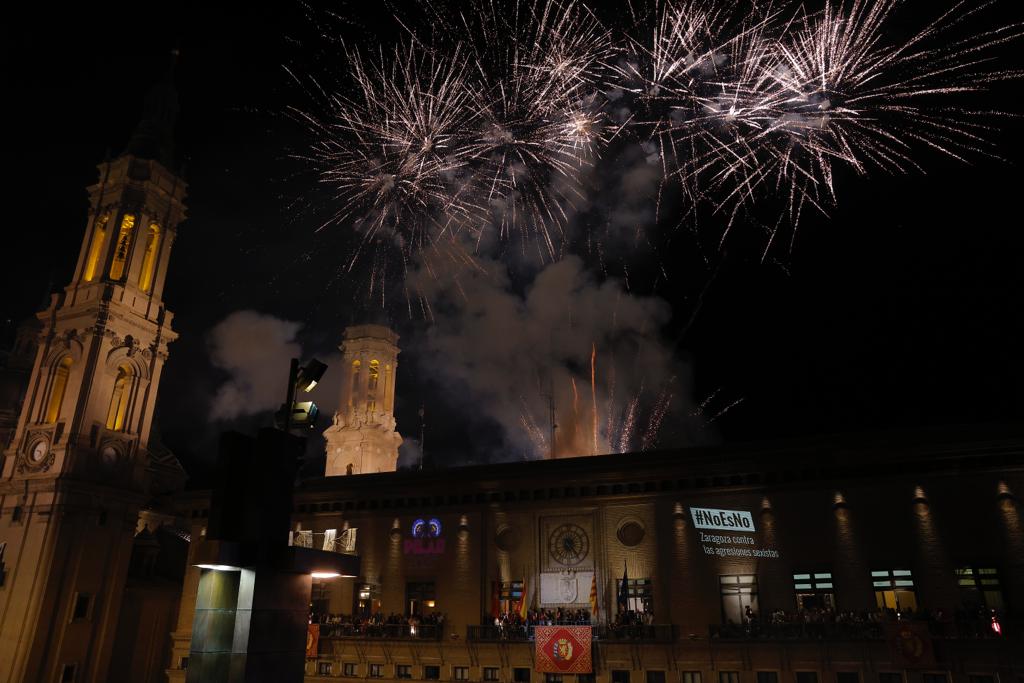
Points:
[(363, 437), (78, 468)]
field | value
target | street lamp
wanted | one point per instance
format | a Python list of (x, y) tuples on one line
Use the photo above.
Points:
[(301, 414)]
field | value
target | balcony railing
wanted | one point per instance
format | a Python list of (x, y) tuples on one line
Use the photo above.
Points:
[(382, 631), (330, 540), (655, 633), (872, 630)]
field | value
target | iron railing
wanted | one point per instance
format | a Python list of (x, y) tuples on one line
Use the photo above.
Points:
[(383, 631), (523, 633)]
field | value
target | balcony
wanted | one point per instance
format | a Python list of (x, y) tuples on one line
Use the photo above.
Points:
[(652, 633), (961, 629), (328, 541), (382, 631)]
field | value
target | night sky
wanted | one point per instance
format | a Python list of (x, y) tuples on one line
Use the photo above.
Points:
[(903, 309)]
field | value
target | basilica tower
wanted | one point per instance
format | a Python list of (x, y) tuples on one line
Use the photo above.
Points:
[(78, 467), (363, 437)]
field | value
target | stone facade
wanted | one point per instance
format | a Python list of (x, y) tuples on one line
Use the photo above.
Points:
[(930, 508)]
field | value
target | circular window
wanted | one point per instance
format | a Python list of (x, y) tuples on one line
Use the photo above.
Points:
[(507, 539), (630, 533)]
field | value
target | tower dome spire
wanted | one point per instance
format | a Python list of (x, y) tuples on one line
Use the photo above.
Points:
[(153, 137)]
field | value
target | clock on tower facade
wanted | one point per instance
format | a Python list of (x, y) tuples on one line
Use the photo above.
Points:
[(78, 467)]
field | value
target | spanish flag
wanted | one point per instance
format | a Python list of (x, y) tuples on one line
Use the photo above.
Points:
[(593, 596), (523, 607)]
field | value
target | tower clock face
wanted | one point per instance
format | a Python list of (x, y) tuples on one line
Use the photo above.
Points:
[(39, 450), (568, 544)]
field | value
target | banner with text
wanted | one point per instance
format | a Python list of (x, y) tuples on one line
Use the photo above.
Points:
[(738, 539)]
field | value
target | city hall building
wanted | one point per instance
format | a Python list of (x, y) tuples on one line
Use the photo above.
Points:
[(912, 548)]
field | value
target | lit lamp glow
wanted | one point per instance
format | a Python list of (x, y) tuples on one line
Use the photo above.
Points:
[(219, 567), (325, 575)]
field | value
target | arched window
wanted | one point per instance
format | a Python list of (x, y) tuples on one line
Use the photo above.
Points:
[(119, 400), (374, 375), (355, 382), (58, 388), (92, 259), (149, 258), (124, 243), (371, 386)]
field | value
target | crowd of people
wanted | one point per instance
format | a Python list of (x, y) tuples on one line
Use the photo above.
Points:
[(380, 625), (826, 622), (544, 617)]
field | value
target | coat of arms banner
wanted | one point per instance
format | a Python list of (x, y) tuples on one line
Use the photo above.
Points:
[(563, 649)]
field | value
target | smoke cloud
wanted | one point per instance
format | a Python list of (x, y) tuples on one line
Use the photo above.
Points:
[(513, 353)]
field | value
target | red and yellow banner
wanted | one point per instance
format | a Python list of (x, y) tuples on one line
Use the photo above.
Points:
[(563, 649), (313, 640)]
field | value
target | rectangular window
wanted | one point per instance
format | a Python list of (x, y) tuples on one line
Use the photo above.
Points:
[(521, 675), (767, 677), (620, 676), (403, 671), (980, 588), (894, 589), (69, 673), (935, 678), (324, 668), (183, 663), (639, 595), (490, 673), (349, 670), (419, 598), (690, 677), (460, 673), (739, 597), (432, 673), (81, 609), (813, 590), (847, 677), (806, 677), (376, 671), (890, 677), (510, 594), (728, 677), (655, 677), (586, 678), (552, 678)]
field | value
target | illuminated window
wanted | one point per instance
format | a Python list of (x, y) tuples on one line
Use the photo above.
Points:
[(149, 258), (349, 669), (739, 593), (490, 673), (813, 590), (689, 677), (460, 673), (92, 260), (355, 381), (419, 597), (979, 587), (325, 668), (403, 671), (374, 374), (119, 400), (57, 390), (376, 671), (553, 678), (894, 589), (124, 243)]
